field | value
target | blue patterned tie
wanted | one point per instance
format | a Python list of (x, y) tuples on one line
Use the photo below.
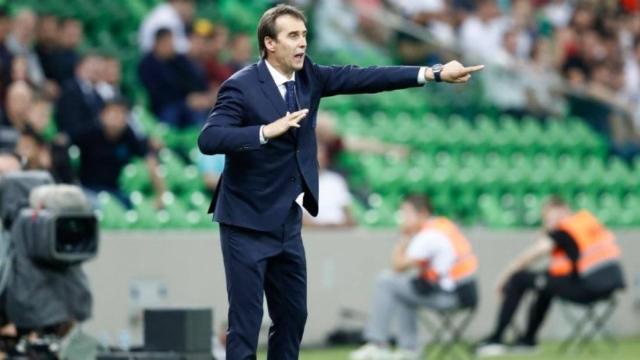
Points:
[(290, 96)]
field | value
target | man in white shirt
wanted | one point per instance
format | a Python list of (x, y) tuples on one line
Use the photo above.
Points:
[(334, 205), (173, 15), (433, 267)]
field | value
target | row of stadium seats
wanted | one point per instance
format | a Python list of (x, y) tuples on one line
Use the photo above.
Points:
[(186, 212), (455, 133), (507, 210), (480, 166)]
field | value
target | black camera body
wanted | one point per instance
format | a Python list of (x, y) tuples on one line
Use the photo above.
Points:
[(57, 238)]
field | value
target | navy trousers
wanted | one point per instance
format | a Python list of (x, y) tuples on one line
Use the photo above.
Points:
[(270, 263)]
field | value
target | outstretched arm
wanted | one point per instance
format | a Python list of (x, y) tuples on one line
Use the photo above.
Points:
[(352, 79)]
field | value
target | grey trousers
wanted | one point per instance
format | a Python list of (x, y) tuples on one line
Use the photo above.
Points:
[(395, 297)]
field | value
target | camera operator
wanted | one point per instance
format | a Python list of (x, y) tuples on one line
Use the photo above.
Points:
[(51, 233)]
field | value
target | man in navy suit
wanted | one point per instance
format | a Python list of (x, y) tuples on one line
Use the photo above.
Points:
[(271, 160)]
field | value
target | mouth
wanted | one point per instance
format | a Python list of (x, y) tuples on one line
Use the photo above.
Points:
[(299, 56)]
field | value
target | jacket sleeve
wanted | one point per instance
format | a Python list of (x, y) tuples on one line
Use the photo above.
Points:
[(224, 132), (351, 79)]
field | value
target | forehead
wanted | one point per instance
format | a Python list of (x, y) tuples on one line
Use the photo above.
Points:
[(288, 23)]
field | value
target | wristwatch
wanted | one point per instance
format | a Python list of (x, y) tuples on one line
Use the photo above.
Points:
[(436, 70)]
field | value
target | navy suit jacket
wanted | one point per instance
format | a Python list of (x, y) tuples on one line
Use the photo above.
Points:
[(260, 182)]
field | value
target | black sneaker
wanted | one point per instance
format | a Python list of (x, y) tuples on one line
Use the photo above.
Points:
[(524, 346)]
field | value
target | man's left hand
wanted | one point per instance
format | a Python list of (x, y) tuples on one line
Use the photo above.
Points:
[(454, 72)]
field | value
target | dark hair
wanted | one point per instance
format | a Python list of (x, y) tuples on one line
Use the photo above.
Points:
[(267, 24), (160, 33), (556, 200), (420, 202)]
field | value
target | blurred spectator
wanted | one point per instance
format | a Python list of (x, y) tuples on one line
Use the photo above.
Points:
[(40, 118), (567, 242), (334, 207), (337, 25), (558, 12), (177, 92), (505, 84), (20, 42), (433, 267), (17, 105), (173, 15), (109, 84), (241, 51), (544, 84), (20, 70), (105, 150), (66, 56), (9, 162), (336, 143), (202, 31), (79, 104), (481, 33), (211, 167), (431, 15), (215, 38), (47, 42), (52, 147)]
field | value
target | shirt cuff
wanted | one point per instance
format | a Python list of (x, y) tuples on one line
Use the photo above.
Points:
[(421, 79), (262, 139)]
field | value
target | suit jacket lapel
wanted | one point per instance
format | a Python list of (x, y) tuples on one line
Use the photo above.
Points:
[(304, 98), (270, 90)]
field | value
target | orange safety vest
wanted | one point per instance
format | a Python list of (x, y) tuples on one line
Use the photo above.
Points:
[(466, 263), (596, 245)]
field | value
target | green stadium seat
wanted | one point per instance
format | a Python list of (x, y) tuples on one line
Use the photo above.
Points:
[(111, 212), (135, 177)]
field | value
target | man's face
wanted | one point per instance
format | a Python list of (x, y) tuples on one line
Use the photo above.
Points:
[(19, 102), (48, 29), (290, 44), (241, 50), (552, 215), (114, 120), (112, 70), (410, 219), (72, 32), (185, 9), (164, 48)]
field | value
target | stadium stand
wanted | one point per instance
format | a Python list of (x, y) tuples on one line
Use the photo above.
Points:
[(488, 168)]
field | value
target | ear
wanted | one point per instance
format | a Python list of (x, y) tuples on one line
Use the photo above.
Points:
[(269, 44)]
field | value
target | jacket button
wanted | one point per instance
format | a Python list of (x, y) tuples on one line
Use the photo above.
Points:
[(293, 179)]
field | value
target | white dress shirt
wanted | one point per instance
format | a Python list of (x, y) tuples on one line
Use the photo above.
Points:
[(280, 79)]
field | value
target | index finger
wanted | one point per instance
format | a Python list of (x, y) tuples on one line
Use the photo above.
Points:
[(299, 112), (470, 69), (297, 116)]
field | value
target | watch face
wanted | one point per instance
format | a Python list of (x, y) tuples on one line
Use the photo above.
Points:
[(436, 67)]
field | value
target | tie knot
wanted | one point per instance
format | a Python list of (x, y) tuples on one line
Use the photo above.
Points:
[(290, 85)]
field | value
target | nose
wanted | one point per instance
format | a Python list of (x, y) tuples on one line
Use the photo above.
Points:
[(303, 43)]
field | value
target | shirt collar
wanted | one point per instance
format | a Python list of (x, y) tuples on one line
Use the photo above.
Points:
[(278, 78)]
